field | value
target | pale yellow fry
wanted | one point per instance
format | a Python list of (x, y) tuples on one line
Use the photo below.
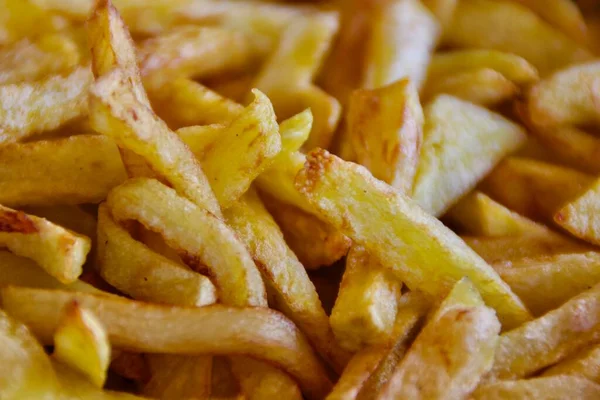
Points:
[(366, 304), (385, 126), (139, 272), (261, 381), (462, 143), (213, 249), (200, 138), (563, 14), (442, 9), (545, 388), (74, 170), (116, 112), (286, 279), (295, 131), (585, 364), (546, 282), (256, 331), (81, 342), (178, 377), (579, 216), (513, 67), (424, 253), (452, 352), (550, 338), (483, 86), (58, 251), (29, 108), (402, 37), (516, 30)]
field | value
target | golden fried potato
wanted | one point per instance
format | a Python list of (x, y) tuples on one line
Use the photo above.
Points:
[(424, 254), (260, 380), (578, 216), (178, 377), (81, 342), (562, 14), (385, 127), (74, 170), (453, 351), (585, 364), (216, 329), (366, 304), (449, 168), (555, 387), (22, 18)]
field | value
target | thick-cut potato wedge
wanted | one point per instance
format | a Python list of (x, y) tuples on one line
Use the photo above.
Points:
[(483, 86), (316, 243), (28, 108), (74, 170), (516, 30), (81, 342), (546, 282), (579, 216), (139, 272), (550, 338), (20, 19), (385, 126), (30, 60), (261, 381), (425, 254), (403, 34), (184, 102), (545, 388), (366, 304), (568, 97), (286, 280), (453, 351), (511, 66), (256, 332), (585, 364), (477, 214), (448, 168), (178, 377), (58, 251), (563, 14), (442, 9), (214, 249), (533, 188), (194, 52)]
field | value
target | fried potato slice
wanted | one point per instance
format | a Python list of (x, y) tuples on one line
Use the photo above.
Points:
[(482, 86), (585, 364), (545, 388), (562, 14), (511, 66), (453, 351), (286, 279), (546, 282), (58, 251), (256, 332), (448, 168), (578, 216), (533, 188), (402, 36), (261, 381), (385, 126), (178, 377), (517, 30), (184, 102), (74, 170), (400, 234), (550, 338), (366, 304), (81, 342), (139, 272), (29, 108), (568, 97)]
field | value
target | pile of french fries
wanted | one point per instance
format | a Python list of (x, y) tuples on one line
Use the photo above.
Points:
[(345, 199)]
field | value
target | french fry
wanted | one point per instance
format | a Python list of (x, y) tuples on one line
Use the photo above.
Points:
[(555, 387), (578, 216), (179, 377), (459, 340), (448, 169), (518, 30), (58, 251), (295, 131), (442, 9), (533, 188), (511, 66), (402, 37), (262, 381), (74, 170), (548, 339), (200, 138), (80, 341), (400, 234), (255, 332), (137, 271), (214, 250), (22, 18), (29, 108), (366, 304), (585, 364), (388, 145), (563, 14)]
